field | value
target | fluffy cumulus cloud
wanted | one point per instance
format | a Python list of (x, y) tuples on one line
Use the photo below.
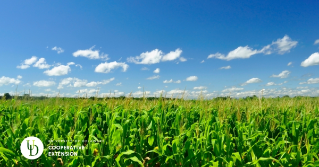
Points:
[(119, 84), (171, 81), (270, 84), (19, 77), (157, 70), (316, 42), (108, 67), (289, 64), (311, 81), (76, 82), (7, 80), (226, 67), (153, 77), (200, 87), (173, 55), (283, 45), (59, 70), (87, 91), (311, 60), (91, 54), (41, 64), (239, 53), (58, 49), (176, 91), (252, 80), (155, 56), (43, 83), (233, 89), (283, 74), (27, 62), (192, 78)]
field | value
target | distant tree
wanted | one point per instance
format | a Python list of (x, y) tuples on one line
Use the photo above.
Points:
[(7, 96)]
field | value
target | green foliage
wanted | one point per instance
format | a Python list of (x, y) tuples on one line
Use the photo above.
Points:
[(165, 132)]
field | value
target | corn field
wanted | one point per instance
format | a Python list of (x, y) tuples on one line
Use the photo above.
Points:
[(177, 132)]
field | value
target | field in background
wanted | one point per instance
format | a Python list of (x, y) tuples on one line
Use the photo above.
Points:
[(164, 132)]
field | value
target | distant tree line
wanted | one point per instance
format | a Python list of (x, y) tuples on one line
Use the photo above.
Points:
[(7, 96)]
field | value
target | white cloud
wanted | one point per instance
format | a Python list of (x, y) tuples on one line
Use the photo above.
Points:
[(152, 57), (27, 62), (285, 44), (91, 54), (202, 61), (19, 77), (316, 42), (93, 83), (171, 81), (78, 65), (79, 82), (182, 59), (119, 84), (283, 74), (311, 81), (153, 77), (173, 55), (226, 67), (140, 94), (233, 89), (43, 83), (155, 56), (289, 64), (270, 84), (176, 91), (6, 80), (311, 60), (239, 53), (159, 93), (145, 68), (58, 49), (88, 91), (65, 81), (200, 87), (75, 82), (168, 81), (107, 67), (157, 70), (41, 64), (252, 80), (139, 87), (59, 70), (216, 55), (192, 78)]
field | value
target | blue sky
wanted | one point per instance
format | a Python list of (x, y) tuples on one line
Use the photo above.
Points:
[(215, 48)]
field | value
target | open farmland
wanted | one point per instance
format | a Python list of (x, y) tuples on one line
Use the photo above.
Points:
[(164, 132)]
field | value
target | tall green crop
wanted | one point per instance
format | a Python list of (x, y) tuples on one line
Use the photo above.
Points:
[(130, 132)]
